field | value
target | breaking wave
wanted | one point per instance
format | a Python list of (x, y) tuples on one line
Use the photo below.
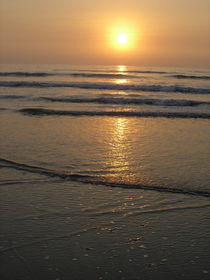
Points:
[(107, 86), (25, 74), (12, 96), (182, 76), (4, 163), (117, 71), (74, 74), (40, 170), (48, 112), (127, 101), (103, 74)]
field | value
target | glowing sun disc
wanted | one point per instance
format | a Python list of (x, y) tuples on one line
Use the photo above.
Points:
[(122, 38)]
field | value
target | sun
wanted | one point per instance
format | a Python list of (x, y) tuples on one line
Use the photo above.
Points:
[(122, 38)]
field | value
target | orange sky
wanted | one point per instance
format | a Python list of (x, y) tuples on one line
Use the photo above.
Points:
[(162, 32)]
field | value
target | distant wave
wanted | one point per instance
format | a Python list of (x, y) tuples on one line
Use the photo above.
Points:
[(89, 74), (25, 74), (182, 76), (74, 74), (146, 71), (48, 112), (4, 163), (116, 71), (127, 101), (102, 74), (107, 86), (127, 71), (12, 96)]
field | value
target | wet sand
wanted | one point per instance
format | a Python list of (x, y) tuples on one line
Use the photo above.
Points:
[(54, 229)]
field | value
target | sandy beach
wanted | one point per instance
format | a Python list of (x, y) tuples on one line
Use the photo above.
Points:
[(64, 230)]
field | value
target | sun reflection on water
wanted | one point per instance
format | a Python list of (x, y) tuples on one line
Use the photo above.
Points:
[(122, 71), (119, 151), (124, 154), (120, 125), (121, 68), (121, 81)]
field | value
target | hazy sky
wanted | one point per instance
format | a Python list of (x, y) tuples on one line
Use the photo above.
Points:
[(161, 32)]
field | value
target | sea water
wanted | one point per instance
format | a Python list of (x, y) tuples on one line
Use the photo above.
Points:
[(130, 126)]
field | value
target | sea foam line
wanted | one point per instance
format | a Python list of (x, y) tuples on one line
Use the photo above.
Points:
[(50, 112), (107, 86), (126, 101), (5, 163), (103, 74), (12, 96), (80, 73), (25, 74), (190, 77)]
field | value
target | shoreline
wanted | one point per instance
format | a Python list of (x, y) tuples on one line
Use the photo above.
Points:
[(70, 230)]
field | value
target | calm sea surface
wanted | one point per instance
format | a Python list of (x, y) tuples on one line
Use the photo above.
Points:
[(129, 126)]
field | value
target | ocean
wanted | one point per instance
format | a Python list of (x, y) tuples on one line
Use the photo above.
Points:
[(113, 156)]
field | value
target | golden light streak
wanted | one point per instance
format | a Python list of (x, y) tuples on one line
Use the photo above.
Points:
[(121, 68), (120, 81)]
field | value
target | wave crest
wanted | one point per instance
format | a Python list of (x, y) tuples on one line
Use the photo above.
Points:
[(191, 77), (103, 74), (48, 112), (107, 86), (126, 101), (25, 74), (4, 163)]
